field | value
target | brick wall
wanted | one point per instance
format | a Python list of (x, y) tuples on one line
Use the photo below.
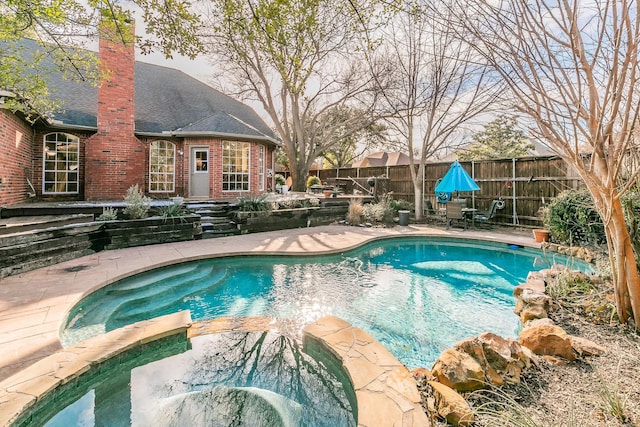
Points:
[(215, 168), (16, 141), (115, 158)]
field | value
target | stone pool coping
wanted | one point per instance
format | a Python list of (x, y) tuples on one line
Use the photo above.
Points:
[(383, 386)]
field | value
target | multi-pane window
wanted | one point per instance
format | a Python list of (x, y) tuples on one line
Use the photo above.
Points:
[(162, 166), (235, 166), (60, 163), (261, 164)]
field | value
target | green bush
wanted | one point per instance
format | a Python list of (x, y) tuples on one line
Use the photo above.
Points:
[(313, 180), (137, 204), (173, 210), (108, 214), (254, 203), (280, 180), (401, 205), (573, 220), (381, 211)]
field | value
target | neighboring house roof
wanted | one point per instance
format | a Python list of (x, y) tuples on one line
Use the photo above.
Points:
[(382, 158), (166, 101)]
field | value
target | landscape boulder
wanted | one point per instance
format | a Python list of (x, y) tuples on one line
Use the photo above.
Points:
[(451, 406), (585, 347), (549, 340), (458, 370)]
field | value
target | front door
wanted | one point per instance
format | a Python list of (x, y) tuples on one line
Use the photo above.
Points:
[(199, 172)]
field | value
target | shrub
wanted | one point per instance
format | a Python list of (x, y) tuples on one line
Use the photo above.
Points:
[(289, 203), (401, 205), (313, 180), (313, 202), (254, 203), (137, 204), (354, 214), (572, 219), (380, 211), (108, 214), (280, 180), (173, 210)]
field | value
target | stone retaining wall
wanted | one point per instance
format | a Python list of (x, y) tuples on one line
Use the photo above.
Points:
[(282, 219), (40, 248)]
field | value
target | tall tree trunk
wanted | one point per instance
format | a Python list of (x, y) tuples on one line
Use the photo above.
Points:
[(299, 176), (418, 202), (621, 255)]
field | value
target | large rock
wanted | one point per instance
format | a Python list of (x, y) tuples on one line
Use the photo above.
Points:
[(531, 304), (458, 370), (451, 405), (585, 347), (496, 349), (538, 322), (548, 340), (473, 347), (534, 284), (532, 312)]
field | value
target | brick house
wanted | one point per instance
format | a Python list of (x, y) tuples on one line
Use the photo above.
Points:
[(146, 124)]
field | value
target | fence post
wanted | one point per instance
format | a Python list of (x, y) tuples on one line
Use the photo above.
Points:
[(473, 177), (514, 192), (422, 186)]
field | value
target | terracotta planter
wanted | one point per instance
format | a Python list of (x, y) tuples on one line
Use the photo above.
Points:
[(541, 235)]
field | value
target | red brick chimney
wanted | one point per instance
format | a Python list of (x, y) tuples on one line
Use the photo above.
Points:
[(114, 157)]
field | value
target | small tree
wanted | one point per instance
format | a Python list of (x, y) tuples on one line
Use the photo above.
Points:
[(137, 205), (500, 139)]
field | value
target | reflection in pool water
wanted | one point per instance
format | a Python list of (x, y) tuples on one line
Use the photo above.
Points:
[(234, 378), (416, 296)]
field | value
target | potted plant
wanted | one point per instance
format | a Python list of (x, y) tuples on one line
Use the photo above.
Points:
[(281, 184), (540, 234), (314, 185)]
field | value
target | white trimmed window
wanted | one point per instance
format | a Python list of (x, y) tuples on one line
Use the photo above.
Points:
[(261, 165), (235, 166), (162, 166), (60, 164)]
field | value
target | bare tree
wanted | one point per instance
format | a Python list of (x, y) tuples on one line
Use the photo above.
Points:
[(299, 60), (573, 68), (438, 85)]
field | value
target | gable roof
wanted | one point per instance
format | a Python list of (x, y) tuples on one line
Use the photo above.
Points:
[(382, 158), (167, 101)]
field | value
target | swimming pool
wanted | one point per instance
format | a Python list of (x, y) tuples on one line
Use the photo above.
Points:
[(417, 296)]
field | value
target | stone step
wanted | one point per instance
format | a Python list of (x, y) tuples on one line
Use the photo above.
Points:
[(210, 234), (212, 213)]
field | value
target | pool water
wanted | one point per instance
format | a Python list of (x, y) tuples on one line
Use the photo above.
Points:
[(416, 296), (256, 379)]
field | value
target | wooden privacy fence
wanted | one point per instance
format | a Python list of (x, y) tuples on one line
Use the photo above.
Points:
[(525, 184)]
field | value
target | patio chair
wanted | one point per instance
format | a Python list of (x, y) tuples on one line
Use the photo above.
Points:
[(431, 213), (485, 216), (454, 212)]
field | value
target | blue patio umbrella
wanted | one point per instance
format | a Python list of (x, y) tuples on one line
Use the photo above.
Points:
[(456, 179)]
